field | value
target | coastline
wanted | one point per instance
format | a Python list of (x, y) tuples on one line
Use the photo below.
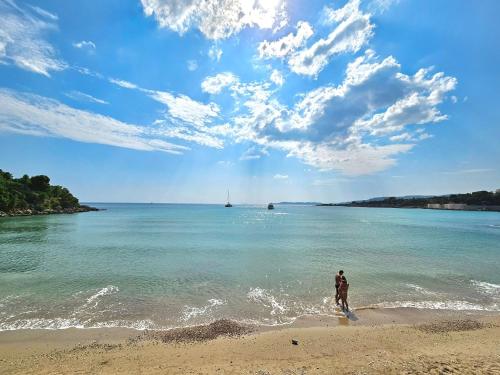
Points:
[(30, 212), (377, 340), (470, 209)]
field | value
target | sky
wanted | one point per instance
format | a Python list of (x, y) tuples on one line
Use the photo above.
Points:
[(275, 100)]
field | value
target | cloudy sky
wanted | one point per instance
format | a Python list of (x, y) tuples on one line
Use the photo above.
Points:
[(178, 101)]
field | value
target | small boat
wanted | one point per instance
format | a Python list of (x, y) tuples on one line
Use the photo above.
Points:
[(270, 206), (227, 203)]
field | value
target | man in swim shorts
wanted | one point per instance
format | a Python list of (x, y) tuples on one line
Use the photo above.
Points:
[(338, 279)]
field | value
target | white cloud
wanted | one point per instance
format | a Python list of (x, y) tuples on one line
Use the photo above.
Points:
[(184, 118), (424, 136), (401, 137), (36, 115), (277, 77), (44, 13), (124, 84), (350, 127), (86, 45), (192, 65), (23, 38), (282, 47), (215, 84), (216, 19), (350, 34), (356, 159), (280, 176), (215, 53), (80, 96), (380, 6), (172, 128), (253, 153), (186, 109)]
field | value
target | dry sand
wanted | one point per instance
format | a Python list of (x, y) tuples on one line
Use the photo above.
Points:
[(385, 341)]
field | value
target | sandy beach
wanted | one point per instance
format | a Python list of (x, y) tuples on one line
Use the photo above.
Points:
[(373, 341)]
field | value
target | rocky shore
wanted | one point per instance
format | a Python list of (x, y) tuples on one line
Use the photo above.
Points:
[(30, 212)]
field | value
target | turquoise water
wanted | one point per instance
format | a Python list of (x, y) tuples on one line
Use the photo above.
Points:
[(158, 266)]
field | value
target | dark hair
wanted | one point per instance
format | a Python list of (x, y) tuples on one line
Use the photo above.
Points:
[(341, 272), (343, 278)]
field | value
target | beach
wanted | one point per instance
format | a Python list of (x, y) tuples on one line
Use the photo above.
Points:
[(379, 341)]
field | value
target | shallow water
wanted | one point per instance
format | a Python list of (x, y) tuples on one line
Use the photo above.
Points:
[(157, 266)]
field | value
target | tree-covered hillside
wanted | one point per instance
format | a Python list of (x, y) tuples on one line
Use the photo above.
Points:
[(477, 199), (34, 195)]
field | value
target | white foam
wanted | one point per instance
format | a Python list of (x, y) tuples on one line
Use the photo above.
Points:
[(487, 288), (440, 305), (420, 289), (41, 323), (192, 312), (63, 323), (110, 289), (139, 325), (267, 299)]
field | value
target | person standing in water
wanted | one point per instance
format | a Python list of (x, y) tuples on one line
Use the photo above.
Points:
[(344, 287), (338, 279)]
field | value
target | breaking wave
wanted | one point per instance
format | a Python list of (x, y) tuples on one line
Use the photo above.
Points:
[(421, 290), (487, 288), (265, 298), (110, 289), (191, 312)]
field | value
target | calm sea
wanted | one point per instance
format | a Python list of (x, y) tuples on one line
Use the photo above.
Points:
[(161, 265)]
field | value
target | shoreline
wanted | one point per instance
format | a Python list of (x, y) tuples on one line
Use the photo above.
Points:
[(371, 314), (481, 209), (66, 211), (228, 347)]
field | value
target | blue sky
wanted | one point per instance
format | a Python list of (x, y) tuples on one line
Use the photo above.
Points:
[(178, 101)]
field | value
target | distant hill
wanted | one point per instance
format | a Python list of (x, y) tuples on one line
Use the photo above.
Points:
[(35, 196), (403, 197), (478, 200)]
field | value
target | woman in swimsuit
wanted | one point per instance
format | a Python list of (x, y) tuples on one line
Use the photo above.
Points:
[(344, 287)]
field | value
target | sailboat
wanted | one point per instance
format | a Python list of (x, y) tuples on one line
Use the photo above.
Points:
[(228, 204)]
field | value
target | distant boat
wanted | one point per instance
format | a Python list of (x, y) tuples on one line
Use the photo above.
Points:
[(227, 203), (270, 206)]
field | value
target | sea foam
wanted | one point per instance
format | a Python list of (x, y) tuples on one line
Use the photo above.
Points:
[(265, 298), (110, 289), (191, 312), (440, 305), (421, 289), (487, 288)]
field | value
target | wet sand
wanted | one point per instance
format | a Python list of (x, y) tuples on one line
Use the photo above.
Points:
[(371, 341)]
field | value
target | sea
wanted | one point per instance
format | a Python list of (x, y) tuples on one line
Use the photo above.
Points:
[(159, 266)]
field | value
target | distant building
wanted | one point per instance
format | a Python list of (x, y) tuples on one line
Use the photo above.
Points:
[(447, 206), (497, 191), (435, 206), (455, 206)]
